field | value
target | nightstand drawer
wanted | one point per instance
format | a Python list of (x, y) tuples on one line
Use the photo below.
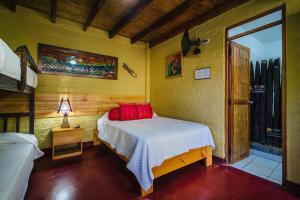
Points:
[(67, 137)]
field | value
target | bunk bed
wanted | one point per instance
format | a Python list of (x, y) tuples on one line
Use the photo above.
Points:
[(17, 150)]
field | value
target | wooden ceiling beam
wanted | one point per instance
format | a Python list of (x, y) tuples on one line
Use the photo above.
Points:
[(218, 10), (53, 11), (12, 5), (165, 19), (93, 13), (129, 17)]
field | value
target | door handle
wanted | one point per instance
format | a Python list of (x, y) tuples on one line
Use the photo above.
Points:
[(250, 102)]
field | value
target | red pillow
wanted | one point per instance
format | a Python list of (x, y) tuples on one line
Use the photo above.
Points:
[(128, 112), (144, 111), (114, 114)]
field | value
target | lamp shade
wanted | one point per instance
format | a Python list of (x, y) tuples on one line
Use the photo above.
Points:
[(64, 106)]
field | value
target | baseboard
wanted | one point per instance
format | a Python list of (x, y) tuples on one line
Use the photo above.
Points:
[(85, 145), (292, 187), (218, 160)]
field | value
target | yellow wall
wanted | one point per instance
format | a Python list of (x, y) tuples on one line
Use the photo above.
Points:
[(204, 100), (185, 98), (293, 91), (30, 28)]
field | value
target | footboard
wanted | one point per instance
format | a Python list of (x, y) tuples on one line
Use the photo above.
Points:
[(180, 161), (170, 164)]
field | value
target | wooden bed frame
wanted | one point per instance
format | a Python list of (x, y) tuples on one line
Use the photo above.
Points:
[(8, 84), (170, 164)]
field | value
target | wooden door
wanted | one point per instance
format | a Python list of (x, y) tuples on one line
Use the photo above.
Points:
[(239, 99)]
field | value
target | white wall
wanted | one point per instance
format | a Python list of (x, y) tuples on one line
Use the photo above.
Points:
[(273, 49), (259, 50)]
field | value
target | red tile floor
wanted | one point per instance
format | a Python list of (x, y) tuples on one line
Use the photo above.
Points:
[(99, 174)]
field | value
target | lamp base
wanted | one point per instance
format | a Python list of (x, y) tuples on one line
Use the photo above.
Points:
[(65, 123)]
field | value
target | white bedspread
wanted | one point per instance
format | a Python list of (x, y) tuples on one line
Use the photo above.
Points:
[(149, 142), (17, 152)]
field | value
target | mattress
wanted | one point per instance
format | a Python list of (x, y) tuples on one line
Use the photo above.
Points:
[(16, 163), (147, 143), (31, 79), (11, 67)]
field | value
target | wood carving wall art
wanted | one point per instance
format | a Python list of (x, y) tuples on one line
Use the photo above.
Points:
[(58, 60)]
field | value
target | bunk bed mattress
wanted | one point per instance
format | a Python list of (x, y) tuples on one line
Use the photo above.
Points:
[(15, 73), (31, 79), (10, 65), (15, 168)]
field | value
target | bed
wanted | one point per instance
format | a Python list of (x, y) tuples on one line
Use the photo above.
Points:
[(17, 150), (10, 66), (157, 146), (18, 74), (17, 153), (15, 73)]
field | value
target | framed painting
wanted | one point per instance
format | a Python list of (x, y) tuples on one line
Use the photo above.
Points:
[(58, 60), (174, 65)]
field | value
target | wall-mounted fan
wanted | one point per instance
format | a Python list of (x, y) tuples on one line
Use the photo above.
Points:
[(186, 44)]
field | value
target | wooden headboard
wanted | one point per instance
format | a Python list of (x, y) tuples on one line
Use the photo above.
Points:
[(45, 105)]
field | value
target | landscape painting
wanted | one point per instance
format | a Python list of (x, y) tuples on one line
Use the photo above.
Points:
[(58, 60)]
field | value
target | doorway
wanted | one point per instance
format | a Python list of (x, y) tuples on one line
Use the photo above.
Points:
[(255, 95)]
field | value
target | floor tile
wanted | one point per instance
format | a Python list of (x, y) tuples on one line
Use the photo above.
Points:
[(265, 148), (242, 163), (260, 166), (262, 154), (277, 173), (277, 158), (275, 181), (255, 172), (271, 164), (258, 170)]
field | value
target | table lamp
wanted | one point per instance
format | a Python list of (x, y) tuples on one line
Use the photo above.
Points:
[(65, 108)]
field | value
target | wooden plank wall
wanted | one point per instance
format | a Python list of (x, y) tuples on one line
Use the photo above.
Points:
[(46, 105), (86, 110)]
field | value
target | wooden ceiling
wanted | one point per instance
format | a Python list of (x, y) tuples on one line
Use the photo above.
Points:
[(152, 21)]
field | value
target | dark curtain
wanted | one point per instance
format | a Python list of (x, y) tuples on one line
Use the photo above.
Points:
[(277, 103), (265, 112), (262, 106), (252, 83), (256, 128), (269, 106)]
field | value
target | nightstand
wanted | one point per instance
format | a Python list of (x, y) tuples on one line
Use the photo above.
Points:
[(66, 142)]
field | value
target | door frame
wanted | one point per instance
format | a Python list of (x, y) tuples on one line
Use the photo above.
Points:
[(227, 78)]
